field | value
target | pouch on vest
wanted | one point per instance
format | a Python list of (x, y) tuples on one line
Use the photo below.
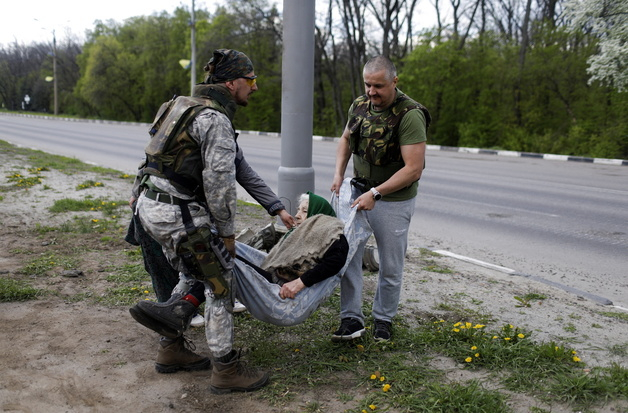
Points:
[(199, 257)]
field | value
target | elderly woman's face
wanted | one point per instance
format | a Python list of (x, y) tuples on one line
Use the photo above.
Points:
[(301, 214)]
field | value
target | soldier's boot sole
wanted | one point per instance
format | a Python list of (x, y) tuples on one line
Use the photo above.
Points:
[(173, 368), (147, 321), (255, 386)]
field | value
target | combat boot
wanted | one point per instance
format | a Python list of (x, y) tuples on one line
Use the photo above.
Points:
[(178, 354), (169, 319), (235, 375)]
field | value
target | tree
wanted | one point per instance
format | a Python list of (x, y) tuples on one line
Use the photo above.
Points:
[(608, 20)]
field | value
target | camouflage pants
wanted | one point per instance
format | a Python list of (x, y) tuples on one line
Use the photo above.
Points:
[(163, 222), (163, 277)]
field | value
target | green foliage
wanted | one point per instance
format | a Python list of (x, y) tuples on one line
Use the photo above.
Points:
[(479, 96), (107, 207), (16, 290), (485, 91), (471, 397)]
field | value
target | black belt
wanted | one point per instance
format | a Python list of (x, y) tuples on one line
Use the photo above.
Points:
[(163, 197)]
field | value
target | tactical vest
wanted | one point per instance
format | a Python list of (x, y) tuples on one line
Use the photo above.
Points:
[(171, 152), (374, 138)]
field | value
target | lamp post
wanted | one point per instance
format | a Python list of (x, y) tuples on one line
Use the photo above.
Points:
[(54, 69), (193, 59), (54, 72)]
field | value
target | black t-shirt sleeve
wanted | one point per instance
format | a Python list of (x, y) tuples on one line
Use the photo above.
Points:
[(332, 262)]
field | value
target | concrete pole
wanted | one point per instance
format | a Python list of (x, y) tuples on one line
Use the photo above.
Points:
[(193, 59), (296, 174)]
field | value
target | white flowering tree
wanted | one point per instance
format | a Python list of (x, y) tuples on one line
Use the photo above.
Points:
[(608, 20)]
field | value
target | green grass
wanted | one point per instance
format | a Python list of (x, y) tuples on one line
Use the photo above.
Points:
[(17, 290), (44, 263), (399, 375), (396, 375), (549, 371), (108, 208), (89, 184), (613, 314), (129, 284), (46, 161)]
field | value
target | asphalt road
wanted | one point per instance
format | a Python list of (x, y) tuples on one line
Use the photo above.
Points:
[(561, 222)]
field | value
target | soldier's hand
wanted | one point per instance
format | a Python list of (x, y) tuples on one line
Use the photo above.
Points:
[(287, 219), (230, 245)]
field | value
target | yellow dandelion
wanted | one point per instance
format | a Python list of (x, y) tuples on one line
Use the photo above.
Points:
[(457, 324), (113, 204), (468, 359), (382, 378), (94, 220), (507, 338), (468, 325), (145, 291), (386, 387), (103, 203), (456, 330), (360, 347), (576, 359), (556, 348), (373, 377), (573, 351), (479, 326), (477, 355), (494, 337), (521, 335), (474, 348), (296, 350), (372, 407)]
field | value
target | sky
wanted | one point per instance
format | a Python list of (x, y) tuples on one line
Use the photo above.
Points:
[(27, 21)]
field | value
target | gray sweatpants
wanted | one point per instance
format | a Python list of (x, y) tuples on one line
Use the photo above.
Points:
[(390, 222)]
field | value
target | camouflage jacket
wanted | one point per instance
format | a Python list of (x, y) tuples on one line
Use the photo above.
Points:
[(192, 153)]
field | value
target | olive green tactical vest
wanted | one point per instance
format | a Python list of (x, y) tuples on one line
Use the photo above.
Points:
[(374, 141), (171, 152)]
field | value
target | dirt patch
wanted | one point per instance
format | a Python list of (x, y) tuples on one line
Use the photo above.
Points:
[(60, 353)]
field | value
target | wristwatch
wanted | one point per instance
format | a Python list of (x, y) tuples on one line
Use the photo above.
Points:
[(376, 195)]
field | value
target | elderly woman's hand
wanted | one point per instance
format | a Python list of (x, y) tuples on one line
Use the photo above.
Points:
[(290, 289)]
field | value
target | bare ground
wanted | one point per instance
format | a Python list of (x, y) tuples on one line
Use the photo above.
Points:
[(60, 353)]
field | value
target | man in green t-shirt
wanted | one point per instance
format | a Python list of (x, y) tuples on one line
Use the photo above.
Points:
[(386, 134)]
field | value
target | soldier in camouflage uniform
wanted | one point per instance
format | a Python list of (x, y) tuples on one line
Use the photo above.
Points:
[(189, 193), (386, 136)]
